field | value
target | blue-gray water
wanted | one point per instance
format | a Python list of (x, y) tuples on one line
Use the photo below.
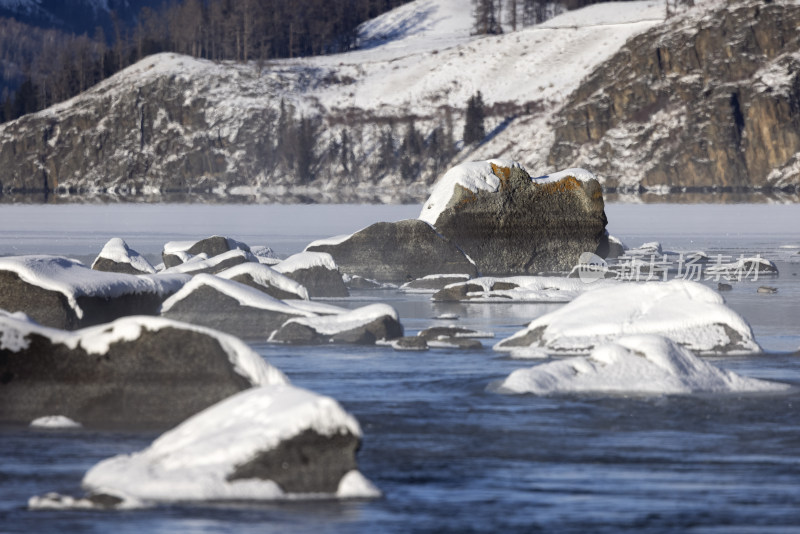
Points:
[(451, 457)]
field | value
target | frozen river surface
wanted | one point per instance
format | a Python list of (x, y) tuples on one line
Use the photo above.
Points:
[(448, 455)]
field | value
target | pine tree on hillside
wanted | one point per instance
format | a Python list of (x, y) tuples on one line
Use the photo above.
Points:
[(474, 130)]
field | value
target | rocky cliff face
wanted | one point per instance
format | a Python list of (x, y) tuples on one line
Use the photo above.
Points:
[(708, 101)]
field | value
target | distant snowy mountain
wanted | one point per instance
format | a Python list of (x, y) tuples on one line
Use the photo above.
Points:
[(379, 123)]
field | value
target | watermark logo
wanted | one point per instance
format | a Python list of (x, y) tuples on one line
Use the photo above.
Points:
[(591, 267), (662, 267)]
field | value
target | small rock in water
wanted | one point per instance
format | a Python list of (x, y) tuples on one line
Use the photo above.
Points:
[(768, 290), (410, 343), (724, 287)]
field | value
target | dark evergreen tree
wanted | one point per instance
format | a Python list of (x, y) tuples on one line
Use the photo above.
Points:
[(386, 151), (474, 130), (305, 141)]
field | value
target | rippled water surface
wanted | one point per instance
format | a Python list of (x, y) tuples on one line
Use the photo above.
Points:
[(451, 457)]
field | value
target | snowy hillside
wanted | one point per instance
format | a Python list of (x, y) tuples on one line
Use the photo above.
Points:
[(432, 60), (380, 123)]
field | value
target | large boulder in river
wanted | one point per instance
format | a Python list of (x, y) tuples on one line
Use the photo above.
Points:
[(396, 252), (317, 271), (136, 371), (509, 223), (267, 443), (64, 293)]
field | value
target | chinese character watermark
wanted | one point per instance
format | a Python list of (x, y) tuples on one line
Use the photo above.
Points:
[(662, 267)]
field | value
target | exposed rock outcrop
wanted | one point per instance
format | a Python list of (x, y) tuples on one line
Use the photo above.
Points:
[(708, 99)]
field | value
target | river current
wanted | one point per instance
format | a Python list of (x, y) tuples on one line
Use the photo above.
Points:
[(448, 455)]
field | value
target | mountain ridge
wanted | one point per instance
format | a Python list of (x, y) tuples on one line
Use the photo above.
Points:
[(377, 124)]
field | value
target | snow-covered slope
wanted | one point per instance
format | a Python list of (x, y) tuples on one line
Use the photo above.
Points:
[(176, 123)]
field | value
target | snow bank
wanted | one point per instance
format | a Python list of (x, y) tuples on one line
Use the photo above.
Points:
[(117, 250), (73, 279), (343, 322), (192, 462), (245, 295), (306, 260), (689, 313), (267, 276), (16, 329), (643, 364)]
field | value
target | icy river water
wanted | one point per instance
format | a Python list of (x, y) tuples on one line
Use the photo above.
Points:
[(448, 455)]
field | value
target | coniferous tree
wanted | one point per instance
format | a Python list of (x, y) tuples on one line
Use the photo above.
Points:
[(386, 153), (305, 140), (474, 130)]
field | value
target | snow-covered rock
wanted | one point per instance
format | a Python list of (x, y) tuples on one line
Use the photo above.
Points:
[(689, 313), (365, 326), (64, 293), (134, 371), (267, 443), (177, 252), (202, 264), (230, 306), (316, 271), (265, 279), (118, 257), (643, 364), (508, 223)]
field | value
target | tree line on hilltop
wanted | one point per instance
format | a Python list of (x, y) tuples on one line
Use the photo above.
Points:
[(50, 66), (492, 16)]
